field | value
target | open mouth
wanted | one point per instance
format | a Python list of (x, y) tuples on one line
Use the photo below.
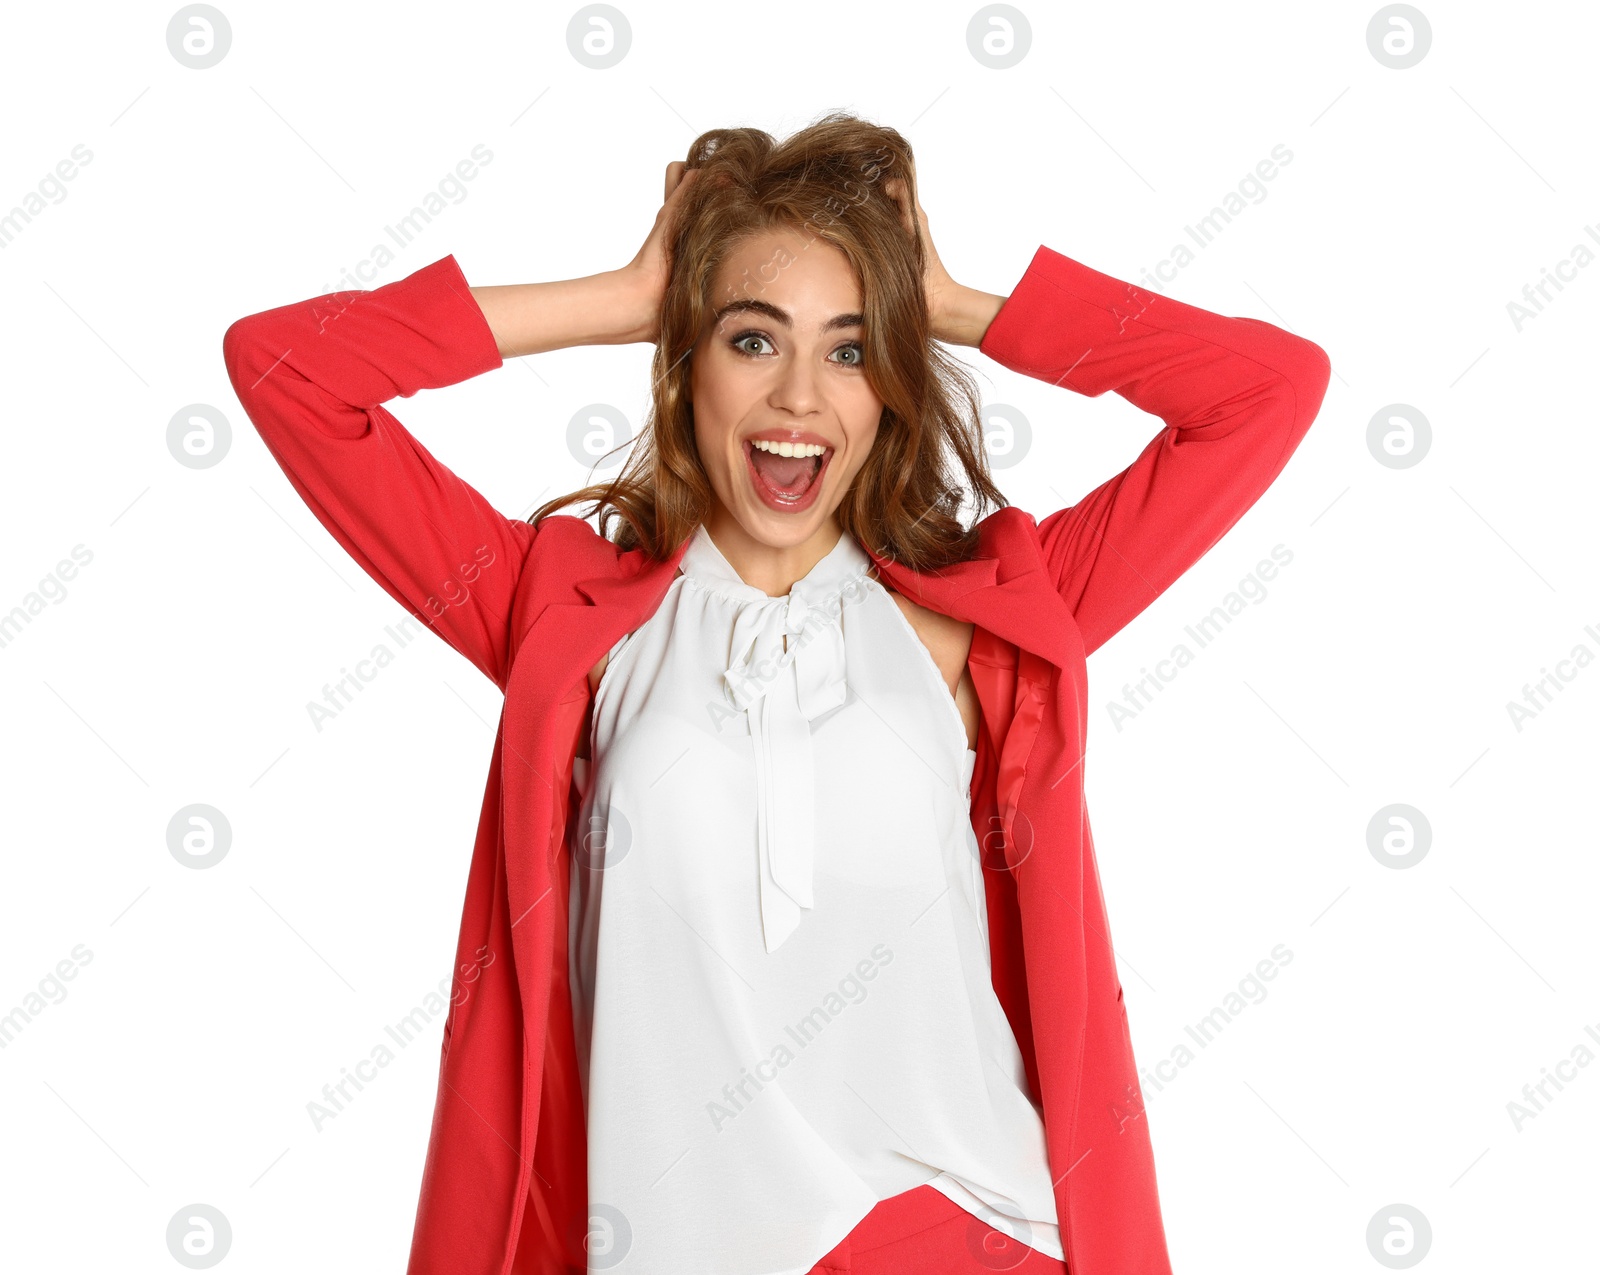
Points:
[(787, 476)]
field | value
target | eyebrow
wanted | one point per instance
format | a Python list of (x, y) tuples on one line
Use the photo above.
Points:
[(779, 315)]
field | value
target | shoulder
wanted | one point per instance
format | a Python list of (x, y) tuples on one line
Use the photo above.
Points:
[(947, 638), (1005, 528), (928, 623), (1016, 539), (570, 534), (568, 549)]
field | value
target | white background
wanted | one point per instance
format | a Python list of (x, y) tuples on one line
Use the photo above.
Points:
[(1230, 816)]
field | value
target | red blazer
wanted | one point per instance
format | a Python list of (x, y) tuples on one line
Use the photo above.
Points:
[(504, 1185)]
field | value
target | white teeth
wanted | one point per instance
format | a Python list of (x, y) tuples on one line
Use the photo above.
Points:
[(788, 449)]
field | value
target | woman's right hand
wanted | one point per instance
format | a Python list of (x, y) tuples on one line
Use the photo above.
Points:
[(646, 275)]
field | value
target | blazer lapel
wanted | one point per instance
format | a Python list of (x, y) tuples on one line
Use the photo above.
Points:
[(563, 642), (619, 600), (1003, 589)]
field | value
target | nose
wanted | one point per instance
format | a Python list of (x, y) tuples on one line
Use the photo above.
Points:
[(797, 389)]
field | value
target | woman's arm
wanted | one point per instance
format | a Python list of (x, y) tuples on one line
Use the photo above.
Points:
[(1236, 396), (601, 309), (313, 377)]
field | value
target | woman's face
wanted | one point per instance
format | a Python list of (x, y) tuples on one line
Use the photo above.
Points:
[(778, 368)]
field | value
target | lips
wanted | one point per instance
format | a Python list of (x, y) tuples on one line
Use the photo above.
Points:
[(787, 484)]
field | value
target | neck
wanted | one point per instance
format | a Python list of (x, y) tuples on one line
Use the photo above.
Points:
[(771, 568)]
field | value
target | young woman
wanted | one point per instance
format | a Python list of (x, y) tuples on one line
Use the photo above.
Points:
[(783, 947)]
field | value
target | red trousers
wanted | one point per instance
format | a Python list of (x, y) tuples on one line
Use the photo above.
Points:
[(924, 1232)]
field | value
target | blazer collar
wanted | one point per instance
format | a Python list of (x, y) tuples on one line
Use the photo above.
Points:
[(634, 580), (1002, 588)]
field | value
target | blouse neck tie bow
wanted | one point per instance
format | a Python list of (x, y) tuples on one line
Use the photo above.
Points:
[(787, 668)]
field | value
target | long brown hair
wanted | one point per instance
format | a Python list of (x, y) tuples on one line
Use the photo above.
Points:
[(826, 181)]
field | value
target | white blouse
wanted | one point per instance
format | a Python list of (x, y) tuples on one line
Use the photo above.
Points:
[(779, 952)]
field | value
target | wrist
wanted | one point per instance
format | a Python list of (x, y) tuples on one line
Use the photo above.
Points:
[(965, 315), (629, 303)]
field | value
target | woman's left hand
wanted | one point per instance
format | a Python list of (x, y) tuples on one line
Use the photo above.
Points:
[(957, 315)]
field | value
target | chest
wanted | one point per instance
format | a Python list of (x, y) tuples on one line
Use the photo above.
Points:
[(939, 641), (868, 687)]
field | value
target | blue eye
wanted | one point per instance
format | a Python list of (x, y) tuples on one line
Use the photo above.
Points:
[(740, 344)]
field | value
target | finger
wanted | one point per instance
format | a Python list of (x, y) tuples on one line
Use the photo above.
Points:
[(922, 219), (895, 188), (684, 181), (674, 176)]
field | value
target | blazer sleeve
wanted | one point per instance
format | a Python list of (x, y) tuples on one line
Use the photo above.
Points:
[(313, 377), (1236, 396)]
